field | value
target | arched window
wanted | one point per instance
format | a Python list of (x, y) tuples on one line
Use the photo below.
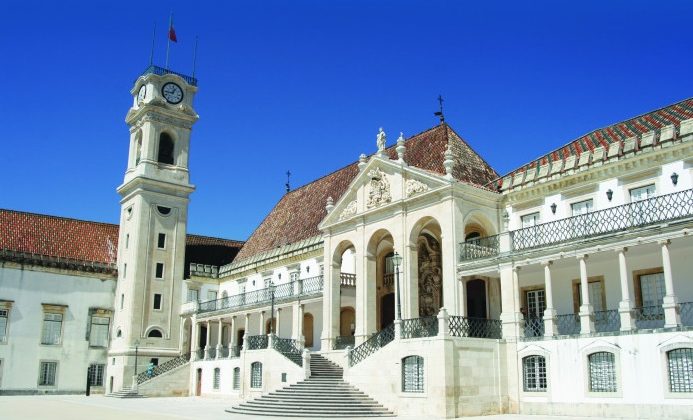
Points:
[(165, 149), (680, 363), (534, 370), (155, 333), (138, 148), (413, 374), (217, 378), (602, 372), (472, 236), (236, 378), (256, 375)]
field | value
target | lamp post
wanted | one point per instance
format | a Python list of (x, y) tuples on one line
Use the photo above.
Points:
[(272, 321), (137, 345), (397, 260)]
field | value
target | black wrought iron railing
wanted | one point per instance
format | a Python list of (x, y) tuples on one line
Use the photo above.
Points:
[(462, 326), (163, 368), (199, 354), (257, 342), (654, 210), (686, 313), (289, 348), (162, 71), (347, 279), (343, 341), (211, 353), (534, 327), (607, 321), (224, 352), (282, 292), (420, 327), (476, 248), (649, 317), (373, 344), (568, 324), (234, 351)]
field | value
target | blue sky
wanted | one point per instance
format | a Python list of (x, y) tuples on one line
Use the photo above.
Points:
[(304, 86)]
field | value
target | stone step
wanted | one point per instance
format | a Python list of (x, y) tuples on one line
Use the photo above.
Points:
[(300, 405), (302, 399), (311, 415), (316, 393), (334, 412)]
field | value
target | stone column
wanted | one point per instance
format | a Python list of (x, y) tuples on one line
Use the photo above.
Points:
[(195, 338), (208, 339), (586, 309), (451, 290), (331, 295), (262, 323), (410, 287), (246, 331), (276, 322), (443, 323), (300, 337), (550, 313), (219, 338), (511, 317), (669, 302), (232, 337), (366, 296), (625, 306)]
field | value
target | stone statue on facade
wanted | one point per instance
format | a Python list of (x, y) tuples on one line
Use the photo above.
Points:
[(381, 139)]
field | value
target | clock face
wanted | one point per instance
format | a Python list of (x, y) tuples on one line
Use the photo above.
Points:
[(141, 94), (172, 93)]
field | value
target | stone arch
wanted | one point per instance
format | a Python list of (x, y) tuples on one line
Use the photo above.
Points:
[(166, 148), (478, 225), (154, 332), (425, 291), (379, 250)]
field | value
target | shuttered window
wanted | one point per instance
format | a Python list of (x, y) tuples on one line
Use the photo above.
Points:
[(534, 373), (52, 328)]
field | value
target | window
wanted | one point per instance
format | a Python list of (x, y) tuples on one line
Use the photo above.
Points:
[(651, 289), (680, 370), (581, 207), (236, 378), (47, 371), (3, 325), (125, 270), (122, 300), (602, 372), (98, 333), (534, 373), (119, 333), (256, 375), (52, 328), (155, 333), (96, 374), (193, 295), (644, 211), (530, 220), (211, 295), (159, 270), (154, 361), (164, 211), (127, 240), (161, 242), (582, 223), (642, 193), (595, 287), (217, 378), (165, 149), (157, 301), (413, 374)]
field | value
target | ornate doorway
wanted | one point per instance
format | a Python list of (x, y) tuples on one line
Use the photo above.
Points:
[(430, 275)]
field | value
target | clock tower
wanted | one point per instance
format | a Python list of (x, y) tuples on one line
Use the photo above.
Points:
[(154, 212)]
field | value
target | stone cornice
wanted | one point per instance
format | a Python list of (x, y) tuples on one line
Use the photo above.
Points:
[(21, 259)]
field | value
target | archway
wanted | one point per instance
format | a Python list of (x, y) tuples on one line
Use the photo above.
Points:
[(426, 292), (308, 329), (476, 299), (239, 337), (187, 336), (387, 310), (380, 267), (347, 321)]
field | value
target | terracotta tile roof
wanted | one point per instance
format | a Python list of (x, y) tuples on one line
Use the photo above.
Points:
[(619, 132), (297, 214), (90, 242)]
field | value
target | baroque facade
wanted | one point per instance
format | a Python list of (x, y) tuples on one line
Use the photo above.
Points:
[(422, 277)]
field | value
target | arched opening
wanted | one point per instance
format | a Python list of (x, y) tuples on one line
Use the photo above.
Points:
[(239, 338), (344, 266), (187, 335), (381, 267), (347, 322), (155, 333), (271, 326), (138, 147), (426, 292), (165, 154), (308, 329), (476, 299), (387, 310)]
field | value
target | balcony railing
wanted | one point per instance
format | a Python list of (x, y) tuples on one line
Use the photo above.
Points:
[(534, 327), (282, 292), (163, 368), (462, 326), (211, 353), (649, 317), (686, 313), (420, 327), (343, 341), (389, 279), (568, 324), (347, 279), (607, 321), (257, 342), (664, 208), (162, 71), (290, 348)]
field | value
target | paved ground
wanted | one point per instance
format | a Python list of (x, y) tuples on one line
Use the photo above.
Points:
[(74, 407)]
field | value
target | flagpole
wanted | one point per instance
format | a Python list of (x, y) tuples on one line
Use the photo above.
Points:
[(151, 55), (194, 57), (168, 38)]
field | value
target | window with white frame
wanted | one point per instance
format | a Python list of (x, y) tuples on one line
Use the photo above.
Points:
[(534, 374), (217, 378), (529, 220), (98, 333), (52, 328), (256, 375), (96, 371), (47, 373), (581, 207), (642, 193), (413, 374), (193, 295), (4, 316), (212, 295), (652, 289), (680, 363), (236, 378), (157, 301), (602, 366), (161, 241)]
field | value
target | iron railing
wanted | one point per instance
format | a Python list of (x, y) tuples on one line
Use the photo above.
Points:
[(534, 327), (420, 327), (615, 219), (199, 354), (649, 317), (282, 292), (234, 351), (686, 313), (256, 342), (224, 352), (568, 324), (162, 71), (373, 344), (476, 248), (289, 348), (347, 279), (607, 321), (211, 353), (343, 341), (163, 368), (462, 326)]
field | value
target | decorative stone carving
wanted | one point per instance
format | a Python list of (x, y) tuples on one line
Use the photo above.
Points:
[(329, 206), (348, 211), (401, 148), (381, 139), (430, 275), (363, 161), (415, 187), (379, 189), (448, 162)]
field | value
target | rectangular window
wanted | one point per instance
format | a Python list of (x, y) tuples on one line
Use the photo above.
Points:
[(96, 374), (413, 374), (680, 370), (47, 371), (236, 378), (161, 242), (52, 328), (530, 220), (98, 335), (582, 207), (122, 300), (157, 301), (125, 270), (642, 193), (652, 289), (602, 372), (193, 295), (211, 295), (3, 325), (534, 374), (159, 270), (217, 378), (127, 240)]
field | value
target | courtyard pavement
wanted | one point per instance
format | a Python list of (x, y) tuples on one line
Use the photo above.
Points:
[(77, 407)]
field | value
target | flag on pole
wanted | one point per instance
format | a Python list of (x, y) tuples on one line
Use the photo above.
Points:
[(171, 31)]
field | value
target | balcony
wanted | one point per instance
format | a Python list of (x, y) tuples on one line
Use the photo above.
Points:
[(284, 292), (162, 71), (601, 223), (347, 279)]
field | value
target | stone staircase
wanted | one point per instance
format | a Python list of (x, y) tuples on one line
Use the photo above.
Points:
[(324, 394), (125, 393)]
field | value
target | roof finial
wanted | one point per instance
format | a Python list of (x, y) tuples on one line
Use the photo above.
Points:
[(448, 163), (439, 114), (400, 148), (288, 181)]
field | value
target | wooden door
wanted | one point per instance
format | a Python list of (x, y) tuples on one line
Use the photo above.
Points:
[(308, 329)]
